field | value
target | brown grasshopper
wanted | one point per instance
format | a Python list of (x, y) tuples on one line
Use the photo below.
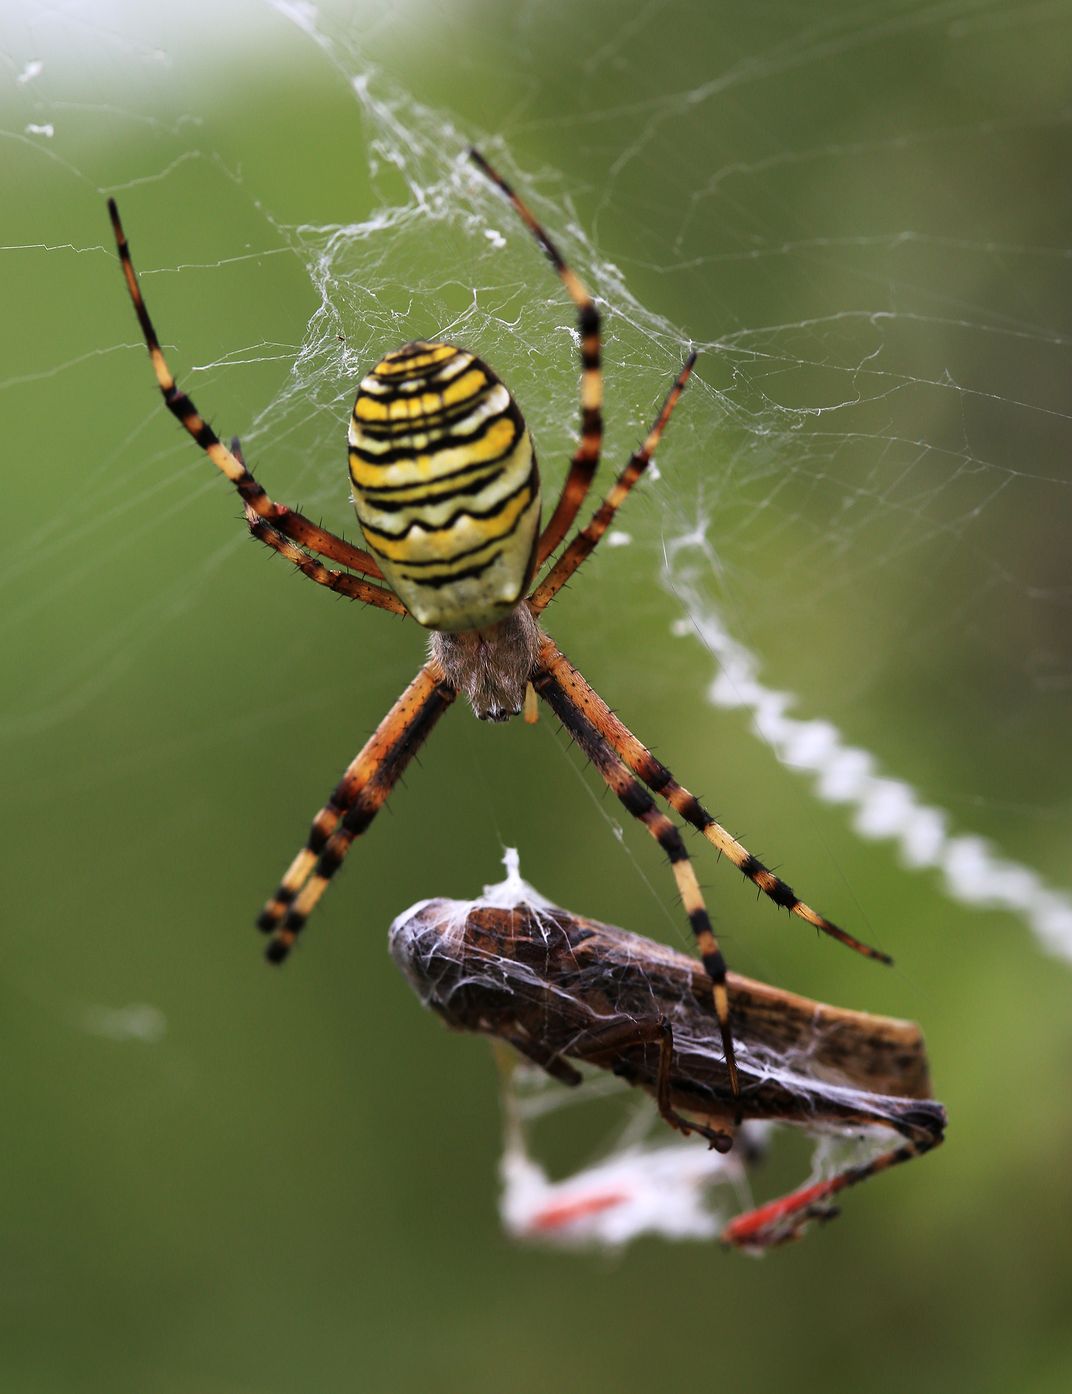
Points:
[(567, 991)]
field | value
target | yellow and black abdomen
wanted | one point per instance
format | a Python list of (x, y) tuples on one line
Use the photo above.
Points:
[(445, 485)]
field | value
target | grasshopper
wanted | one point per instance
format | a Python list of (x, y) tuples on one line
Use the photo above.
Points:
[(565, 991)]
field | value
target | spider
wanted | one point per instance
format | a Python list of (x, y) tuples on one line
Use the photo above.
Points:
[(447, 493)]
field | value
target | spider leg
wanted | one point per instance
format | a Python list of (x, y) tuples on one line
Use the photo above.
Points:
[(352, 805), (586, 457), (341, 582), (636, 799), (782, 1220), (585, 541), (293, 524), (658, 778)]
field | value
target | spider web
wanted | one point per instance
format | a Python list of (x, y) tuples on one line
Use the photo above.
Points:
[(837, 607), (870, 477)]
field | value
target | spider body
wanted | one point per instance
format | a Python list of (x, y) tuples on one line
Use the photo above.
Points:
[(445, 485), (447, 493), (492, 667)]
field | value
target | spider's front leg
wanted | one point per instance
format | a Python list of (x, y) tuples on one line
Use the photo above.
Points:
[(657, 777), (354, 802), (641, 805)]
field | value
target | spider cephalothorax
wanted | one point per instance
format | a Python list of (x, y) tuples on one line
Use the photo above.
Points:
[(492, 666), (447, 493)]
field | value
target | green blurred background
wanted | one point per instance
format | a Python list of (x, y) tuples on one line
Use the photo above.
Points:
[(219, 1178)]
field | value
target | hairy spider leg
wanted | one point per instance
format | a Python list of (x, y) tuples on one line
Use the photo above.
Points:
[(636, 799), (585, 542), (352, 805), (341, 582), (658, 778), (293, 524), (585, 459)]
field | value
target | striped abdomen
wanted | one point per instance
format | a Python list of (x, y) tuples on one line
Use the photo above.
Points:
[(445, 485)]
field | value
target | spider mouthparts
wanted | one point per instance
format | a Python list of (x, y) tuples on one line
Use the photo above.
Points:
[(499, 714)]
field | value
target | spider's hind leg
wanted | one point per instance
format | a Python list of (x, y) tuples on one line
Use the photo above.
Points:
[(584, 543), (585, 459), (229, 462)]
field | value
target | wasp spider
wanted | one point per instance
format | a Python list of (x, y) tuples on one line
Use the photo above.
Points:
[(447, 493)]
